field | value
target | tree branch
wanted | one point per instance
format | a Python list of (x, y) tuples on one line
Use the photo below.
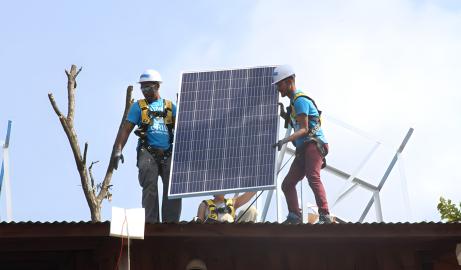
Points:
[(86, 175), (110, 168), (84, 154), (73, 141), (67, 124), (53, 104), (90, 170), (128, 102), (76, 74), (71, 85)]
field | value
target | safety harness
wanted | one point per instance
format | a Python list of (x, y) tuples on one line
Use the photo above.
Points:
[(147, 117), (312, 135), (214, 211)]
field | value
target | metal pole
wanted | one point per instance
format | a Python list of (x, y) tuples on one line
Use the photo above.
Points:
[(378, 211), (5, 175), (354, 174), (278, 191), (345, 193), (388, 171), (128, 236), (2, 170), (302, 202), (403, 182), (6, 143)]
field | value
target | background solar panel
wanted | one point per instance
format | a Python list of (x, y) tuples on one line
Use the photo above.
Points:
[(226, 123)]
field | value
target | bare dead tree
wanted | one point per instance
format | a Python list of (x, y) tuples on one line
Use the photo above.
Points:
[(94, 194)]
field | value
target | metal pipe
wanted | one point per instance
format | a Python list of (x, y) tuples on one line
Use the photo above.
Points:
[(388, 171)]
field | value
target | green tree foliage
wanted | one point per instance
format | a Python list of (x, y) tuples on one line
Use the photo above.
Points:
[(449, 211)]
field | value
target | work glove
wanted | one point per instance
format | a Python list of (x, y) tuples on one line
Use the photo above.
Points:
[(116, 157), (285, 114), (280, 143)]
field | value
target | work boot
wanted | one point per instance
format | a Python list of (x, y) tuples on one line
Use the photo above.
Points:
[(293, 218), (325, 219)]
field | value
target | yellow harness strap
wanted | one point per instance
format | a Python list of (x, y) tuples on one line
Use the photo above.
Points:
[(213, 213), (168, 106), (230, 205), (168, 109), (145, 119), (292, 105)]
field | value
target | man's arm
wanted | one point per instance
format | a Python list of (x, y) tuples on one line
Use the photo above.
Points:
[(303, 130), (201, 212), (120, 142), (302, 119), (123, 135), (243, 199)]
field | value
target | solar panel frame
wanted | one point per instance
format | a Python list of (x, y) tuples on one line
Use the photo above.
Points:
[(199, 116)]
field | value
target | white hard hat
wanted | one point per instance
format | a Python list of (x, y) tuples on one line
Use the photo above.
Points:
[(282, 72), (150, 75)]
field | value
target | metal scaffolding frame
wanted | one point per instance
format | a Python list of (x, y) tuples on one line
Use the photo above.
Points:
[(5, 174), (350, 178)]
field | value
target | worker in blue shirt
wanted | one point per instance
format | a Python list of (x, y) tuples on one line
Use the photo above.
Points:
[(155, 118), (311, 146)]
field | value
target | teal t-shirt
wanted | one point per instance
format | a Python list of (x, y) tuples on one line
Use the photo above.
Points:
[(157, 133), (304, 106)]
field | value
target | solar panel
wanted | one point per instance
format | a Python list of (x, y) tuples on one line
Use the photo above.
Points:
[(226, 123)]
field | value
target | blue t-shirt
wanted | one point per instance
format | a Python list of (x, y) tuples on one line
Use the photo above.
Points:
[(303, 105), (157, 133)]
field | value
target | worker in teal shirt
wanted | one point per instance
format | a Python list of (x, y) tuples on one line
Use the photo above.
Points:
[(311, 147), (155, 118)]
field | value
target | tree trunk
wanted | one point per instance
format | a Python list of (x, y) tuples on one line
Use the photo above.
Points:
[(93, 198)]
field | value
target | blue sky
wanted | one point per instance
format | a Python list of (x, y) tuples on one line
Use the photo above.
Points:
[(382, 66)]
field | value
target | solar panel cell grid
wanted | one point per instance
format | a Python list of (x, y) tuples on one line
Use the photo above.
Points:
[(226, 122)]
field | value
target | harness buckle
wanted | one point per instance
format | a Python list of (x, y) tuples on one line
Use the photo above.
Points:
[(159, 154), (154, 114), (141, 133)]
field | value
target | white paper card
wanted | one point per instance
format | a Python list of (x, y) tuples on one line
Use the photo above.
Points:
[(127, 222)]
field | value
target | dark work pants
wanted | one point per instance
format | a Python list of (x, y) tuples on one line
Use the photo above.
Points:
[(308, 162), (149, 171)]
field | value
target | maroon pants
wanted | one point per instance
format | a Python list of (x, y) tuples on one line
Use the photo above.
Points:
[(308, 162)]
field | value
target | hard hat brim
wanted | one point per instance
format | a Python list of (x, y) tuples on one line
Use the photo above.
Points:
[(281, 79), (150, 81), (274, 83)]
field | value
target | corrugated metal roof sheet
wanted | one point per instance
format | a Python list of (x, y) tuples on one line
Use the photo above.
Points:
[(232, 230)]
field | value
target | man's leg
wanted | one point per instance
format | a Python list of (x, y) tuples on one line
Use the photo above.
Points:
[(295, 174), (148, 177), (313, 164), (171, 209)]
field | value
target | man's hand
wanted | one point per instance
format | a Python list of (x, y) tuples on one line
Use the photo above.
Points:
[(116, 157), (280, 143), (283, 113)]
